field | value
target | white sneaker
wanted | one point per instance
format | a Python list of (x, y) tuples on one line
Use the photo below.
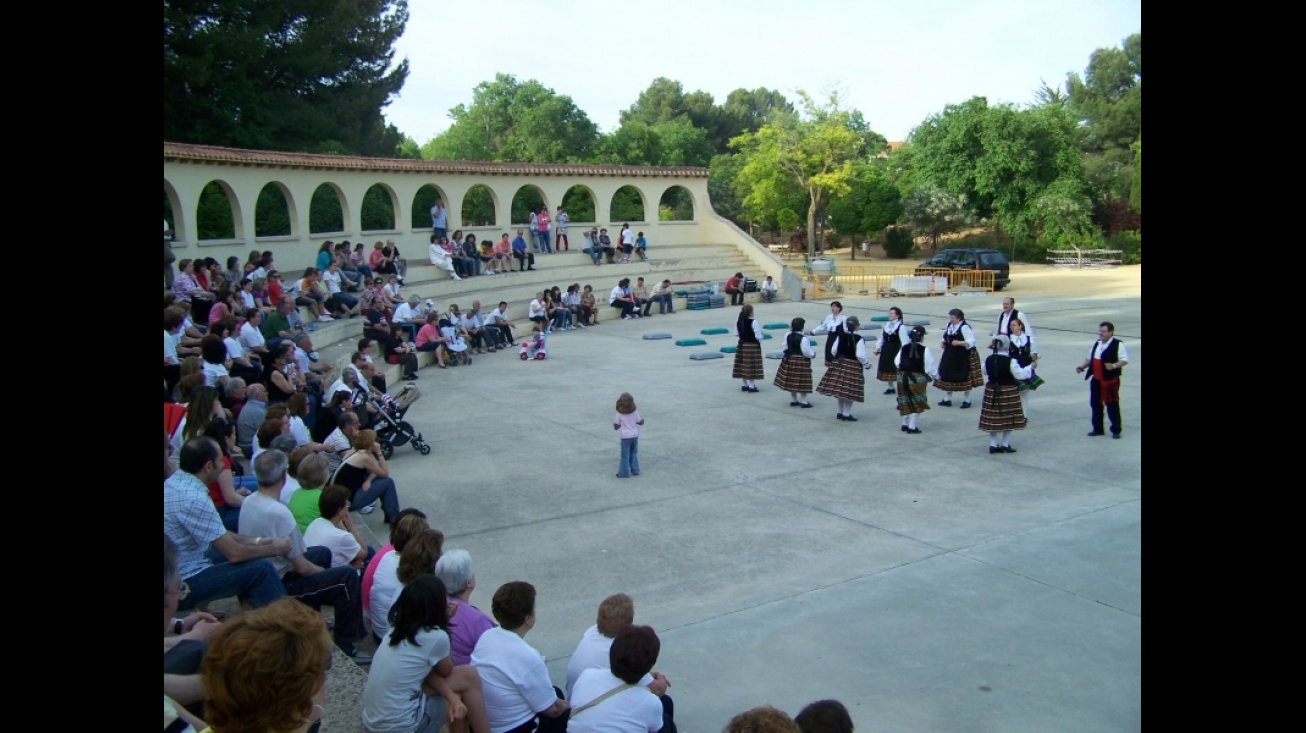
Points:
[(324, 318), (637, 315), (581, 325), (626, 318), (488, 272), (454, 275), (368, 509)]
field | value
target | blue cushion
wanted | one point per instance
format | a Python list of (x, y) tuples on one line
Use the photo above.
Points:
[(706, 355), (656, 336)]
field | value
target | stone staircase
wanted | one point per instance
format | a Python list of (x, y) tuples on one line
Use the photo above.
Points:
[(692, 265)]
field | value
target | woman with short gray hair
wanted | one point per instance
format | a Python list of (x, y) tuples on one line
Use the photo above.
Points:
[(454, 569)]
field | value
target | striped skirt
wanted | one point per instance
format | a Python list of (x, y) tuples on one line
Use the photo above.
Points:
[(748, 362), (794, 374), (844, 380), (912, 396), (974, 376), (887, 369), (1000, 409)]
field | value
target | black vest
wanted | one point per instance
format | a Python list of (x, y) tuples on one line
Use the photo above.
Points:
[(1023, 355), (893, 341), (794, 344), (1108, 356), (745, 327), (1014, 314), (958, 334), (913, 358), (999, 368), (848, 345)]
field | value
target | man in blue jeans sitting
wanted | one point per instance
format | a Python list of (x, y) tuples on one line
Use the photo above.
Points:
[(191, 521), (305, 572)]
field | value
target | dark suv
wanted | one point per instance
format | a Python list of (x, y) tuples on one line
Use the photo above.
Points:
[(970, 258)]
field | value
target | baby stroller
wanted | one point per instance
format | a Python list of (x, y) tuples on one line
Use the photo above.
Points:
[(391, 428)]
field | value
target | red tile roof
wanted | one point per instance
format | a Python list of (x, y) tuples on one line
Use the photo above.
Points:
[(182, 152)]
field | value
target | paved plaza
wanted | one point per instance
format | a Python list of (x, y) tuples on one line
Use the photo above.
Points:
[(784, 556)]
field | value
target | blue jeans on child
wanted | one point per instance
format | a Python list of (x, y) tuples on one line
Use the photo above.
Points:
[(629, 457)]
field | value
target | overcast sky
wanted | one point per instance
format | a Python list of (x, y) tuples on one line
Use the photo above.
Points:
[(898, 62)]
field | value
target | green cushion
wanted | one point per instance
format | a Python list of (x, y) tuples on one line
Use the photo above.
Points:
[(690, 342), (766, 336), (728, 349), (714, 331), (774, 326), (811, 342), (880, 319)]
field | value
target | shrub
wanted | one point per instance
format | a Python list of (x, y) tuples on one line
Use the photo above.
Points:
[(899, 242), (1131, 243)]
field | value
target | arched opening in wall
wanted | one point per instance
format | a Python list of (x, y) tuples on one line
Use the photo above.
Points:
[(216, 215), (272, 213), (527, 199), (627, 205), (676, 205), (478, 207), (378, 209), (423, 200), (579, 204), (169, 218), (325, 212)]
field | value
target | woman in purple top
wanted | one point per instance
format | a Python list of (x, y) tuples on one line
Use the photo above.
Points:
[(467, 623)]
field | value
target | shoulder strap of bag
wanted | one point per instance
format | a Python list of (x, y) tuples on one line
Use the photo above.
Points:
[(600, 698)]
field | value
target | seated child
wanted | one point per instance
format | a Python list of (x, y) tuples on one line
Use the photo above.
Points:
[(641, 246), (534, 346)]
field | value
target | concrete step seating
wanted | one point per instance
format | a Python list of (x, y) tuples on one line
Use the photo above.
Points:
[(336, 340)]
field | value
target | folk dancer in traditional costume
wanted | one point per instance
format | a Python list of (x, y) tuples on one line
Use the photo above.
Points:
[(795, 373), (915, 369), (1022, 350), (1105, 361), (748, 355), (844, 379), (828, 326), (886, 347), (1009, 313), (959, 367), (1001, 413)]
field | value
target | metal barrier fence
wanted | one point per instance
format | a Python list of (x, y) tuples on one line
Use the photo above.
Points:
[(893, 282)]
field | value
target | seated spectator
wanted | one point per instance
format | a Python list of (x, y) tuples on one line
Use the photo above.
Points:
[(295, 458), (226, 497), (342, 304), (276, 326), (373, 299), (763, 719), (641, 298), (616, 614), (441, 258), (251, 339), (334, 529), (605, 243), (410, 316), (311, 475), (340, 440), (769, 289), (238, 363), (413, 679), (309, 294), (297, 408), (455, 346), (274, 426), (537, 312), (824, 716), (503, 255), (571, 299), (233, 398), (478, 336), (265, 671), (363, 470), (498, 320), (514, 680), (382, 264), (305, 571), (184, 643), (385, 579), (429, 338), (328, 418), (186, 288), (409, 524), (470, 253), (621, 299), (233, 273), (214, 353), (525, 259), (223, 307), (280, 374), (454, 568), (589, 311), (251, 417), (352, 278), (630, 710), (192, 523), (202, 408), (662, 295), (358, 258), (735, 288), (591, 247)]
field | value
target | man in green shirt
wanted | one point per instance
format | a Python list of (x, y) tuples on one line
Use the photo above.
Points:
[(276, 325)]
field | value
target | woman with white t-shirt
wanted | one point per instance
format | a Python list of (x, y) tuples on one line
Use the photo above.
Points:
[(613, 700), (385, 579)]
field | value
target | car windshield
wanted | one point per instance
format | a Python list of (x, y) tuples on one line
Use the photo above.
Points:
[(995, 259)]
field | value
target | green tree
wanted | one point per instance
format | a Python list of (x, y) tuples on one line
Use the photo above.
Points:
[(1108, 101), (872, 204), (282, 74), (1066, 214), (813, 150), (512, 121), (675, 142), (947, 148), (935, 212), (1136, 188)]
